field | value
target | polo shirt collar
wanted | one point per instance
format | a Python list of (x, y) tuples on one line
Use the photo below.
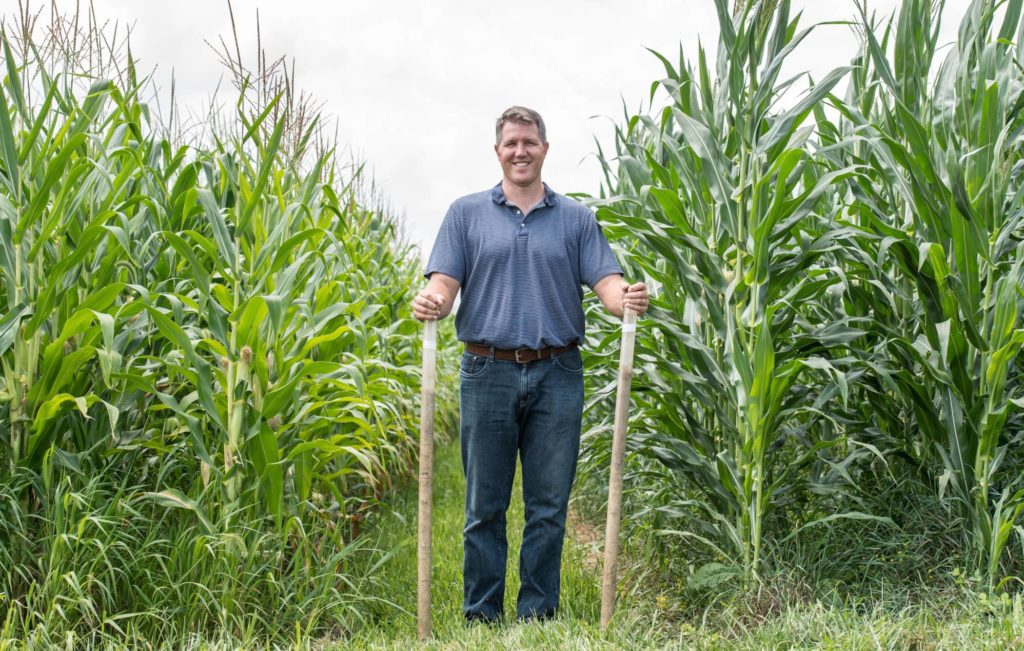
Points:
[(498, 196)]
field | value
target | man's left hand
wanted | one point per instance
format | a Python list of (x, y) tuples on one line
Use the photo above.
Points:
[(635, 297)]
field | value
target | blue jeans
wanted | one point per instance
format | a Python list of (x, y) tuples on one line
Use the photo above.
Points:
[(533, 411)]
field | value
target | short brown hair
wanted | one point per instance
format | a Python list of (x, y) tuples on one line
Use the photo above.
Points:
[(521, 115)]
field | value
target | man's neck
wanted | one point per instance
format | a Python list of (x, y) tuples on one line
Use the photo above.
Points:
[(523, 198)]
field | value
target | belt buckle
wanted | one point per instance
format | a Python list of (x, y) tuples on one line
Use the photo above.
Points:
[(522, 361)]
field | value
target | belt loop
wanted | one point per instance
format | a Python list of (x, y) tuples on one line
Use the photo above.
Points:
[(491, 356)]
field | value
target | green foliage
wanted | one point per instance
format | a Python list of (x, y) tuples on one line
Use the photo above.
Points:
[(838, 282), (222, 327), (722, 204), (940, 195)]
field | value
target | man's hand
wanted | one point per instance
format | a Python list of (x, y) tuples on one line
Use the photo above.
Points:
[(427, 305), (635, 297), (436, 299), (616, 295)]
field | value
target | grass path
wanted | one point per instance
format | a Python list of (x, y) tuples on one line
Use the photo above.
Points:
[(391, 621)]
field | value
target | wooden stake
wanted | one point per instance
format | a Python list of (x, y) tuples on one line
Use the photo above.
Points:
[(426, 508), (611, 531)]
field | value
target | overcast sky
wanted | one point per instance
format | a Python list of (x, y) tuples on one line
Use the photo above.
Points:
[(415, 87)]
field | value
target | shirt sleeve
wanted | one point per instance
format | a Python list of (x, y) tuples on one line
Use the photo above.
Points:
[(449, 253), (596, 257)]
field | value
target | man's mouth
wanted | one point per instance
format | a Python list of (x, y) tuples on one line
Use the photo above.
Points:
[(520, 164)]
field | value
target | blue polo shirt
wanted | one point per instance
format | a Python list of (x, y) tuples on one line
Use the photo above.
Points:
[(522, 277)]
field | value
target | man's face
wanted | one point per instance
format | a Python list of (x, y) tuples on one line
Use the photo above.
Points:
[(521, 153)]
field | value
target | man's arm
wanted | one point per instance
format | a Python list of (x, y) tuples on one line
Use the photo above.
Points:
[(436, 299), (616, 295)]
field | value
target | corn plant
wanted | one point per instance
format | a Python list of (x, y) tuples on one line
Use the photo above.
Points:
[(218, 301), (62, 276), (220, 329), (941, 197), (721, 203)]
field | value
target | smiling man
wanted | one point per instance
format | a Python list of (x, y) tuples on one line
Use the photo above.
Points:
[(520, 253)]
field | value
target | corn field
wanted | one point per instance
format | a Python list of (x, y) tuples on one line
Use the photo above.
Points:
[(838, 279), (201, 342)]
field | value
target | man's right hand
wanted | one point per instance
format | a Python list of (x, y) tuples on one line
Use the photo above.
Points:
[(427, 306)]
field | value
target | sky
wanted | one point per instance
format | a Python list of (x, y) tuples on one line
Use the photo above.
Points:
[(414, 88)]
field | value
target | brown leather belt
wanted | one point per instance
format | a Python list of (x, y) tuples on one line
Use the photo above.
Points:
[(520, 355)]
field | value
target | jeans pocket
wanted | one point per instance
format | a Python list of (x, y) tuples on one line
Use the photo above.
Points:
[(570, 361), (472, 365)]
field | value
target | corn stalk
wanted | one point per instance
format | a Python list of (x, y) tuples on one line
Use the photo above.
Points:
[(736, 224), (941, 197), (220, 304)]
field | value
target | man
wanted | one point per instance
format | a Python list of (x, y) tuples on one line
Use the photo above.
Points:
[(520, 253)]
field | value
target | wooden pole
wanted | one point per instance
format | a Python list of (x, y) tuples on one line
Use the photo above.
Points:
[(611, 531), (426, 508)]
